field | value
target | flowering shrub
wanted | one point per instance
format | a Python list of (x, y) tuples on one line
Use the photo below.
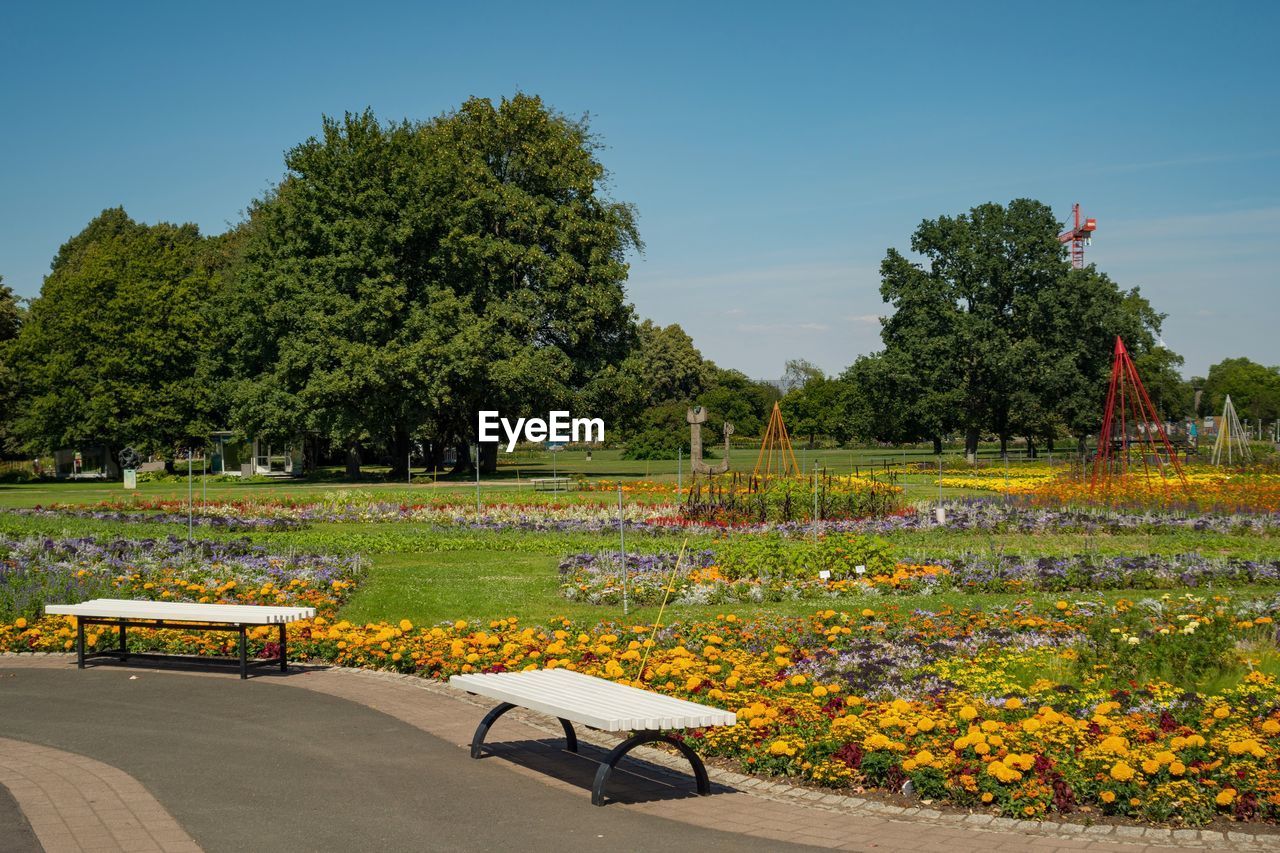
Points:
[(732, 499), (36, 571)]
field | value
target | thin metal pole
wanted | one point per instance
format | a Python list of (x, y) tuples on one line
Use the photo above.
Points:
[(477, 478), (815, 499), (190, 498), (408, 468), (622, 548), (679, 468)]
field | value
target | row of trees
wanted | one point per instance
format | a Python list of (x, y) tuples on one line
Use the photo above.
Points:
[(402, 276)]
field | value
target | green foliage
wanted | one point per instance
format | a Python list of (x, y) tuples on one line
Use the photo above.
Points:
[(662, 431), (403, 276), (729, 500), (10, 324), (769, 556), (996, 333), (1159, 640), (106, 351), (1254, 389)]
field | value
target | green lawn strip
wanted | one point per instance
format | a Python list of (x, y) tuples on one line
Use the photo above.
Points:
[(482, 584)]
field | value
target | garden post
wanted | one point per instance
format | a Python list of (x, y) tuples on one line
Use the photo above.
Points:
[(80, 643), (244, 656)]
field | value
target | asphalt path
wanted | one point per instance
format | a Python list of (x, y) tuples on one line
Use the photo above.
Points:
[(15, 833), (256, 765)]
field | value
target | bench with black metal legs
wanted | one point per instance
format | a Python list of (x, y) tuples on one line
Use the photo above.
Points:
[(123, 614), (572, 697)]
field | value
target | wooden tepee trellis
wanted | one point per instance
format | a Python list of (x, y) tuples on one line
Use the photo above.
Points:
[(1232, 439), (776, 458)]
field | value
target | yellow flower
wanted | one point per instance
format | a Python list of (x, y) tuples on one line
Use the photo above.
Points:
[(1222, 712), (968, 712), (460, 625), (1271, 727), (1177, 768), (20, 623), (1115, 745), (986, 798), (1121, 772), (1108, 796), (1225, 797), (406, 625), (1013, 703)]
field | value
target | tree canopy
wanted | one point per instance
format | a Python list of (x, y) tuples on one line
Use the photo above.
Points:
[(994, 332), (403, 276), (106, 352)]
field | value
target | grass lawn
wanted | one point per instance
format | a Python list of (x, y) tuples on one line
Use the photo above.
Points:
[(430, 575)]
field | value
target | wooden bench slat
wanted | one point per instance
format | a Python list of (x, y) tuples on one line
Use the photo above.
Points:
[(592, 701), (180, 611)]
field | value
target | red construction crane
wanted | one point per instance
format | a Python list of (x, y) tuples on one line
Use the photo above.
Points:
[(1079, 237)]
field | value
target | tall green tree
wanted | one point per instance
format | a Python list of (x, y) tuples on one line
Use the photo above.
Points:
[(1254, 389), (995, 333), (106, 353), (10, 323), (404, 276)]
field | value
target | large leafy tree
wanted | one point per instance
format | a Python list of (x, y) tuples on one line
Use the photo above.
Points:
[(115, 334), (107, 351), (1254, 389), (995, 333), (404, 276), (10, 323)]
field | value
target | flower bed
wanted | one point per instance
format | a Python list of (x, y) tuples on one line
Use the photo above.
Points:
[(973, 708), (36, 570), (596, 578)]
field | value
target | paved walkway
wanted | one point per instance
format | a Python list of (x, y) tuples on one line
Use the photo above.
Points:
[(350, 760)]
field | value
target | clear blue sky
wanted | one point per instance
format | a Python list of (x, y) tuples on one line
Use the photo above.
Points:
[(774, 151)]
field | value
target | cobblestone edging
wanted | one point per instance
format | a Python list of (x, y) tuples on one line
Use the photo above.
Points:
[(782, 792), (75, 803)]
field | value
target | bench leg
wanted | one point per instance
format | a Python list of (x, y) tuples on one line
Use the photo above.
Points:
[(80, 643), (284, 650), (124, 645), (482, 730), (570, 736), (477, 740), (244, 656), (612, 759)]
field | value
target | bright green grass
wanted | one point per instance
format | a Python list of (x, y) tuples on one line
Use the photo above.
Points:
[(484, 584)]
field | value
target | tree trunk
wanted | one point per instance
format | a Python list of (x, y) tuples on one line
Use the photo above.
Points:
[(400, 447), (937, 445), (1004, 447), (353, 462), (488, 458), (1031, 448), (971, 444), (463, 456)]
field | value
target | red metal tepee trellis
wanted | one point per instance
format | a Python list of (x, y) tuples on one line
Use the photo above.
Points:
[(1130, 423)]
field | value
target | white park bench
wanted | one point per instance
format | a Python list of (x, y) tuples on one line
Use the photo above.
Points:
[(572, 697), (551, 484), (181, 616)]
